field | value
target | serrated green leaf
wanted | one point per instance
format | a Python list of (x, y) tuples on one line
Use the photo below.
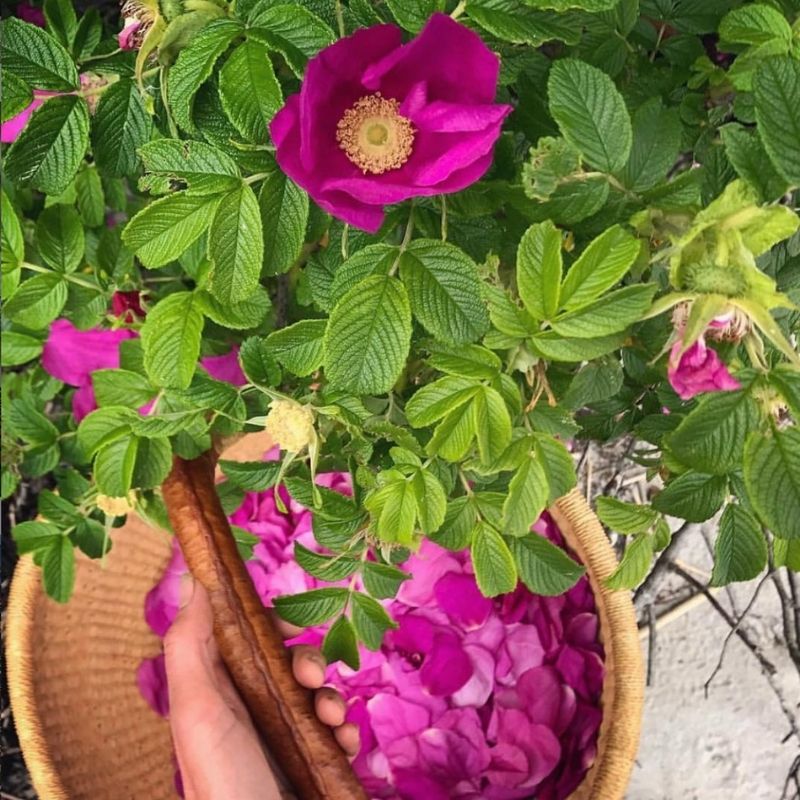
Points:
[(368, 336), (17, 95), (544, 568), (114, 464), (395, 506), (444, 290), (50, 149), (740, 551), (470, 361), (539, 267), (459, 523), (171, 340), (250, 92), (750, 160), (514, 22), (558, 465), (153, 462), (90, 197), (203, 167), (169, 424), (692, 496), (776, 86), (712, 436), (755, 23), (37, 301), (30, 424), (166, 228), (18, 348), (590, 113), (634, 565), (246, 314), (58, 569), (34, 535), (434, 401), (311, 608), (527, 497), (103, 426), (119, 387), (59, 238), (35, 57), (61, 20), (299, 347), (340, 644), (786, 380), (92, 538), (284, 214), (492, 423), (252, 476), (236, 246), (786, 553), (259, 364), (559, 348), (625, 518), (597, 381), (374, 259), (600, 266), (120, 127), (431, 501), (382, 580), (12, 244), (370, 620), (607, 315), (495, 570), (326, 568), (772, 478)]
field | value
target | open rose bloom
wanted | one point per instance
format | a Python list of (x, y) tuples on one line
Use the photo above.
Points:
[(378, 121), (469, 697)]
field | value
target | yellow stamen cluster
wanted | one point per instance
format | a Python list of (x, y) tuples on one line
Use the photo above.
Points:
[(116, 506), (374, 136), (290, 425)]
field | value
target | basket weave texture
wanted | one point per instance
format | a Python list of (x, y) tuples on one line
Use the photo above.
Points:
[(87, 734)]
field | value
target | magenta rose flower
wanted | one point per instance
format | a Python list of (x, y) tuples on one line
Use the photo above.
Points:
[(698, 370), (378, 121), (30, 13)]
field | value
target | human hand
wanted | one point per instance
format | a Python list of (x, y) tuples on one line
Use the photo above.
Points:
[(220, 754)]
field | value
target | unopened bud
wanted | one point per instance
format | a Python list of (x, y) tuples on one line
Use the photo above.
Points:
[(116, 506), (291, 425)]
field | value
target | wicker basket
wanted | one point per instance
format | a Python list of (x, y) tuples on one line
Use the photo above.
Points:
[(86, 733)]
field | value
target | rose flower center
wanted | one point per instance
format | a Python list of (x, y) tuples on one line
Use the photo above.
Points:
[(374, 136)]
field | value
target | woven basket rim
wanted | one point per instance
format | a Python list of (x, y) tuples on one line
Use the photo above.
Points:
[(622, 696)]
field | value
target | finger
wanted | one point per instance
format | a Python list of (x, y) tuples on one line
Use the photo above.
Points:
[(329, 706), (287, 629), (348, 737), (308, 666)]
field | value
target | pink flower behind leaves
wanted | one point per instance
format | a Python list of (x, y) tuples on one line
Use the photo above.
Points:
[(698, 370), (128, 306), (127, 37), (30, 13), (12, 128), (378, 121)]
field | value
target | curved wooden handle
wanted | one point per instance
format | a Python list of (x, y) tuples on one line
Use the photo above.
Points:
[(250, 643)]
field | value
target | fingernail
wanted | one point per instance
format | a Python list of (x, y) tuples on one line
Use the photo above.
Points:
[(186, 591)]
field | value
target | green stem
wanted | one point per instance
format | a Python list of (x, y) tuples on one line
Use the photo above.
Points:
[(340, 18), (444, 218), (459, 9), (256, 178), (71, 278), (406, 239)]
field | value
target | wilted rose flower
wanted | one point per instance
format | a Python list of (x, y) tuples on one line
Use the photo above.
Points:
[(698, 370), (378, 121), (138, 17), (127, 306)]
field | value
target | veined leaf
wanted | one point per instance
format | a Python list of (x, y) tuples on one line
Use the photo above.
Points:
[(36, 57), (495, 570), (740, 551), (121, 125), (59, 237), (544, 568), (539, 269), (527, 497), (634, 565), (607, 315), (205, 168), (692, 496), (37, 301), (299, 347), (311, 608)]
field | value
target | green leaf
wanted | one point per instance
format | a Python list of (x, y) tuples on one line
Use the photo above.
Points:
[(59, 238), (527, 497), (590, 113), (248, 313), (656, 142), (539, 269), (634, 565), (413, 14), (252, 476), (469, 360), (431, 501), (755, 23), (453, 437), (27, 422), (121, 126), (35, 535), (90, 197), (786, 380), (92, 538), (370, 620), (740, 551), (609, 314), (326, 568), (558, 348), (558, 465), (776, 86), (492, 423), (114, 464), (692, 496), (171, 340), (37, 301), (153, 462), (593, 383), (459, 523), (195, 65), (445, 290), (749, 158), (58, 570), (50, 149), (786, 553), (435, 400), (311, 608), (250, 92), (712, 436), (772, 479), (203, 167), (169, 424), (166, 228), (340, 643), (61, 20), (766, 323), (495, 570), (374, 259), (293, 31), (513, 21), (600, 266), (259, 363), (284, 214), (625, 518), (395, 506), (104, 425), (17, 95), (119, 387), (36, 58), (12, 243), (368, 336), (18, 348), (299, 347), (382, 580), (236, 246), (544, 568)]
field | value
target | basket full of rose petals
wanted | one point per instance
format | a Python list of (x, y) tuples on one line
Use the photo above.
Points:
[(517, 696)]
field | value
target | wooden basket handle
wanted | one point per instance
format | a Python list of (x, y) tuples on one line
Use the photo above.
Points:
[(250, 644)]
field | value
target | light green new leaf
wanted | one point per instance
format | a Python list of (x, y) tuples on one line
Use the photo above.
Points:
[(607, 315), (492, 423), (527, 497), (120, 127), (164, 230), (37, 301), (434, 400), (558, 465), (59, 238), (470, 361), (740, 551), (543, 567), (453, 436), (445, 290), (236, 246), (50, 149), (431, 501), (755, 23), (249, 90), (36, 57), (171, 340), (495, 570), (539, 269), (590, 113), (776, 87), (368, 336), (18, 348), (599, 267), (114, 464), (634, 565), (772, 478)]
